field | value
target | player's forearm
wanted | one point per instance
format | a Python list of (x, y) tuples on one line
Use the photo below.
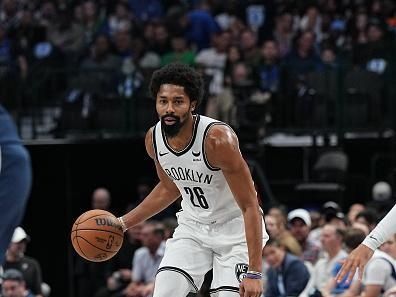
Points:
[(383, 231), (159, 198), (254, 238)]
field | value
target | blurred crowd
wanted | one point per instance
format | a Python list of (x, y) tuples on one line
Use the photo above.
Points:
[(265, 62), (301, 258)]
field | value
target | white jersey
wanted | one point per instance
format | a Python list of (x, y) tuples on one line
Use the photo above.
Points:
[(206, 196)]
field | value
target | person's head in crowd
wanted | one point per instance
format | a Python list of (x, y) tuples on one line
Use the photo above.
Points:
[(240, 74), (152, 235), (101, 47), (353, 237), (101, 199), (122, 10), (284, 22), (89, 11), (122, 42), (17, 248), (234, 54), (305, 42), (332, 239), (368, 217), (332, 214), (222, 41), (248, 40), (274, 253), (316, 219), (354, 209), (389, 246), (310, 19), (375, 30), (328, 55), (272, 226), (13, 284), (279, 212), (161, 34), (270, 51), (299, 222), (48, 11), (363, 227), (179, 43)]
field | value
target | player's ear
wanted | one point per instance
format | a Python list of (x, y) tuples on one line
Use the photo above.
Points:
[(193, 105)]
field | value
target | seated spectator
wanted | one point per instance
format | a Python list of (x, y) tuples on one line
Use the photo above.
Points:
[(353, 237), (354, 209), (332, 243), (300, 225), (282, 235), (287, 275), (28, 266), (146, 261), (368, 217), (14, 285)]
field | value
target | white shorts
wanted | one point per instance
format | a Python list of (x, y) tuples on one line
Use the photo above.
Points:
[(196, 248)]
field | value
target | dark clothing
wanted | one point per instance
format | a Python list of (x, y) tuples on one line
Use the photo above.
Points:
[(15, 180), (293, 275), (31, 271)]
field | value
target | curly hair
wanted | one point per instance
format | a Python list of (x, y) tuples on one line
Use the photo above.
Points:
[(181, 75)]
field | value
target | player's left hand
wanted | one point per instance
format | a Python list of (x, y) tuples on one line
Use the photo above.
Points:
[(251, 287)]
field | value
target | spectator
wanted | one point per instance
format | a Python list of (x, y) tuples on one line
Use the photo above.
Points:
[(354, 209), (146, 261), (180, 52), (299, 225), (279, 233), (14, 285), (332, 240), (353, 237), (28, 266), (369, 217), (101, 199), (287, 275)]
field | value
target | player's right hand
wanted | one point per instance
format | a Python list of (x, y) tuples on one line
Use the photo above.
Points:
[(251, 287), (356, 260)]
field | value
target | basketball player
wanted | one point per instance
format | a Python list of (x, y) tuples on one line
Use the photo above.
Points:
[(15, 180), (198, 158), (359, 257)]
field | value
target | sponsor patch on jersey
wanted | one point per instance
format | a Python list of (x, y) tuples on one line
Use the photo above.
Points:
[(240, 271)]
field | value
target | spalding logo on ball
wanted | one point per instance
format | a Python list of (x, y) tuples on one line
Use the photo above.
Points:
[(97, 235)]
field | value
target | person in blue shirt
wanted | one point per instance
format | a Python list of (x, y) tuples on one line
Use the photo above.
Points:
[(287, 274), (15, 180)]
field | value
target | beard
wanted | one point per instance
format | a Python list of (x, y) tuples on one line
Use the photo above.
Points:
[(171, 130)]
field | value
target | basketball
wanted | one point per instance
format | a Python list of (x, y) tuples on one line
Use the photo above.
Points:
[(97, 235)]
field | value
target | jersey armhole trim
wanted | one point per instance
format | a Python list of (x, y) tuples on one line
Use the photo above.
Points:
[(203, 145), (154, 143)]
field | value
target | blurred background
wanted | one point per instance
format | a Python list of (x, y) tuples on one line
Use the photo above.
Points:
[(309, 86)]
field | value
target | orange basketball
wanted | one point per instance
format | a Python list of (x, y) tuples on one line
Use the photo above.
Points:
[(97, 235)]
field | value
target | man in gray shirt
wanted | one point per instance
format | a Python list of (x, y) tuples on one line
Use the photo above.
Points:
[(146, 260)]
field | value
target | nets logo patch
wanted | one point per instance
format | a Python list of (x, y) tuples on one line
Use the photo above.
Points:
[(240, 271)]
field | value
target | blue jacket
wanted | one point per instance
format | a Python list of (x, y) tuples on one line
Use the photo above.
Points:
[(295, 277)]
